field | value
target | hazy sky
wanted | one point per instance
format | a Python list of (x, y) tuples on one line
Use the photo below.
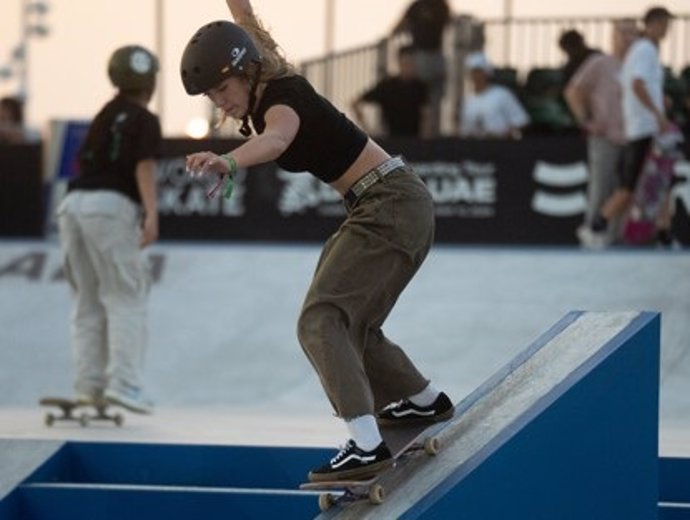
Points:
[(67, 72)]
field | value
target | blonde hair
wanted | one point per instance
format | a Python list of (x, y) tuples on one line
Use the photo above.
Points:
[(273, 65)]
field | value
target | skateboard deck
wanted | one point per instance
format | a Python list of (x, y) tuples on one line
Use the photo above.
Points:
[(402, 440), (652, 190), (74, 411)]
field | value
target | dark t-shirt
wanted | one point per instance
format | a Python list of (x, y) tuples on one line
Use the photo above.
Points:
[(327, 142), (426, 20), (122, 134), (401, 101)]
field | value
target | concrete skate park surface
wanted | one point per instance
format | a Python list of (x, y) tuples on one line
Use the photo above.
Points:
[(224, 365)]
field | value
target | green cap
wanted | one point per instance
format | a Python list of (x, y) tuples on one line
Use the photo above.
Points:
[(133, 67)]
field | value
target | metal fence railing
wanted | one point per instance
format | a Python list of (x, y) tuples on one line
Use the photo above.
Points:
[(521, 44), (532, 42)]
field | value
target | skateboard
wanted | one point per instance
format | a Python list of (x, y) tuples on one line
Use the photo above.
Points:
[(402, 441), (652, 189), (73, 411)]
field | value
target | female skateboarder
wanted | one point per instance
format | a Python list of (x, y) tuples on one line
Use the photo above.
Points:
[(365, 265)]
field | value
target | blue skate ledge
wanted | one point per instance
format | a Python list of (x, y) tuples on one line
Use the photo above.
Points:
[(84, 480), (587, 449), (584, 446), (567, 430)]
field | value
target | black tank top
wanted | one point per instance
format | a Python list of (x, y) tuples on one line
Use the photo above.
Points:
[(327, 142), (122, 134)]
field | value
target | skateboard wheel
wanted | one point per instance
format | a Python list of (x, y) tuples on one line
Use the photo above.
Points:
[(49, 419), (432, 445), (376, 494), (118, 419), (326, 501)]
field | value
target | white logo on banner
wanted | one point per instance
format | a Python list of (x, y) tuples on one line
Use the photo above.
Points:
[(572, 176), (182, 195), (461, 189), (302, 191)]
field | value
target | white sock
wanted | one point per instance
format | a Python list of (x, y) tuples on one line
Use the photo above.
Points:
[(364, 431), (426, 397)]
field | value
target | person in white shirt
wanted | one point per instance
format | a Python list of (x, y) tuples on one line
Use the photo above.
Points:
[(593, 95), (493, 111), (644, 117)]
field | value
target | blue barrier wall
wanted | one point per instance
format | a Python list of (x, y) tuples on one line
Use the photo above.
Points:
[(588, 450), (674, 488), (101, 481), (582, 446)]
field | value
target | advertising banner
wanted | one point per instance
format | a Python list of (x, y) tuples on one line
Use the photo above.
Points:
[(531, 191), (21, 191)]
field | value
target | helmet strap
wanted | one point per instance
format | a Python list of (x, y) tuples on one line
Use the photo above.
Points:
[(245, 129)]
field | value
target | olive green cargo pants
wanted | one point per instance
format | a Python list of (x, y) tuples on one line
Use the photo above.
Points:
[(362, 270)]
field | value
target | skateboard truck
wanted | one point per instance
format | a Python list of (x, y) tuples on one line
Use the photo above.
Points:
[(344, 492), (73, 411), (375, 493)]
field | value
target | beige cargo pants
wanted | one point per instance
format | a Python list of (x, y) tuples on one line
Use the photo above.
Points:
[(99, 234)]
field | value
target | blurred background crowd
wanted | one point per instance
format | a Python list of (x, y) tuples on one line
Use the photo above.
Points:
[(439, 74)]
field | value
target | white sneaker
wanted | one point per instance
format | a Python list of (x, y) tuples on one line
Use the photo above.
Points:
[(89, 398), (592, 239), (132, 400)]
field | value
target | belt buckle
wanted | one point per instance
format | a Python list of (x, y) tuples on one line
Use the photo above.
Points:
[(367, 181)]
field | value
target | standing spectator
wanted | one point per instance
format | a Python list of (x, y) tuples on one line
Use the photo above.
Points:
[(108, 215), (493, 110), (572, 43), (644, 117), (425, 21), (12, 127), (593, 95), (403, 99)]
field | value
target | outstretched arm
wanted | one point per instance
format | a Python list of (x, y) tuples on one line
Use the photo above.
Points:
[(401, 26), (241, 10), (282, 124)]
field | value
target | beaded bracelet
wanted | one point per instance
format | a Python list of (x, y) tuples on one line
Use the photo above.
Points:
[(232, 164), (232, 169)]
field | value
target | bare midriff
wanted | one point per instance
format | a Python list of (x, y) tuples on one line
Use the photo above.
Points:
[(371, 156)]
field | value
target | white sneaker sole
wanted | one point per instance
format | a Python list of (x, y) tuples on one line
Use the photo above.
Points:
[(128, 404)]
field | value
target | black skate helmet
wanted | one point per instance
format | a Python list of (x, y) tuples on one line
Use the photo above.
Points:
[(216, 51), (133, 67)]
